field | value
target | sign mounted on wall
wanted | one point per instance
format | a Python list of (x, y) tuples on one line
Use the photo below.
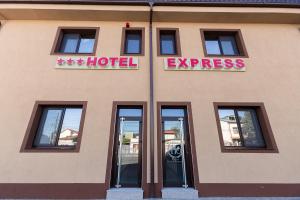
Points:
[(91, 62), (204, 64)]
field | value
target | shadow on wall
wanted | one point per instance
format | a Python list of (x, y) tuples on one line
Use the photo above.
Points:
[(2, 23)]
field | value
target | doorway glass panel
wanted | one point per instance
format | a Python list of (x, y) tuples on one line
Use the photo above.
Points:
[(176, 172), (127, 158)]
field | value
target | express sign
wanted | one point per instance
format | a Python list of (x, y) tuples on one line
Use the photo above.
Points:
[(91, 62), (129, 63), (204, 64)]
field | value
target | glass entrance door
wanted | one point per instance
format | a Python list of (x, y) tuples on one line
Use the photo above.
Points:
[(176, 150), (127, 150)]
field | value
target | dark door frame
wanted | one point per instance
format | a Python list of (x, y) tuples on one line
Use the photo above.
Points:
[(190, 127), (111, 143)]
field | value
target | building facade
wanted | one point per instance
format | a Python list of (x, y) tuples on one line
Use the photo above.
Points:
[(147, 96)]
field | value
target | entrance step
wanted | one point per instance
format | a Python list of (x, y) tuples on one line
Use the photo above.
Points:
[(124, 194), (179, 193)]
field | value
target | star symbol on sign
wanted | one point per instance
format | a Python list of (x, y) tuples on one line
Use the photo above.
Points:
[(60, 61), (80, 61), (70, 61)]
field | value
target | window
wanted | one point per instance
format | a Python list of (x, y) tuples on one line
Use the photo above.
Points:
[(245, 127), (168, 42), (133, 41), (55, 126), (75, 41), (223, 43)]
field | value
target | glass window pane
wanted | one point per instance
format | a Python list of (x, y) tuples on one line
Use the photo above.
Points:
[(86, 45), (133, 43), (212, 47), (130, 112), (48, 127), (172, 112), (228, 45), (69, 43), (251, 129), (167, 44), (173, 173), (70, 127), (229, 128), (129, 174)]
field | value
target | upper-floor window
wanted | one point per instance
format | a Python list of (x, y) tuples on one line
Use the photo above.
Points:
[(168, 42), (133, 41), (244, 127), (55, 126), (223, 43), (75, 41)]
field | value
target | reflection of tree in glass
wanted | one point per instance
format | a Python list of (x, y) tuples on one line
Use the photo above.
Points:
[(54, 133), (126, 140), (248, 128), (176, 131)]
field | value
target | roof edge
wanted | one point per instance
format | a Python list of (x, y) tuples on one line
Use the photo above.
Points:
[(229, 3)]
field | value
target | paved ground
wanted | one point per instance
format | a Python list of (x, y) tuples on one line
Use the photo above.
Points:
[(241, 198), (206, 198)]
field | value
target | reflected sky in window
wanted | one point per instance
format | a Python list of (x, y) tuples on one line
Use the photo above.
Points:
[(72, 119), (212, 47), (168, 44), (129, 112), (133, 43), (172, 112), (86, 45)]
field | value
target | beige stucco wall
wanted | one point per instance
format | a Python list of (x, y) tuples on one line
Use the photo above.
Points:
[(28, 74)]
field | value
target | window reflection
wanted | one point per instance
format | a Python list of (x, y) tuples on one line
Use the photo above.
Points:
[(240, 127), (168, 43), (133, 42), (69, 43), (130, 112), (75, 41), (171, 112), (221, 43), (250, 129), (70, 127), (128, 148), (229, 128), (58, 127), (172, 138), (212, 47), (228, 45), (130, 153), (86, 45), (48, 128)]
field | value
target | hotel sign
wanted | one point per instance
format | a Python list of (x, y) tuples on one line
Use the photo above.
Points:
[(91, 62), (204, 64)]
